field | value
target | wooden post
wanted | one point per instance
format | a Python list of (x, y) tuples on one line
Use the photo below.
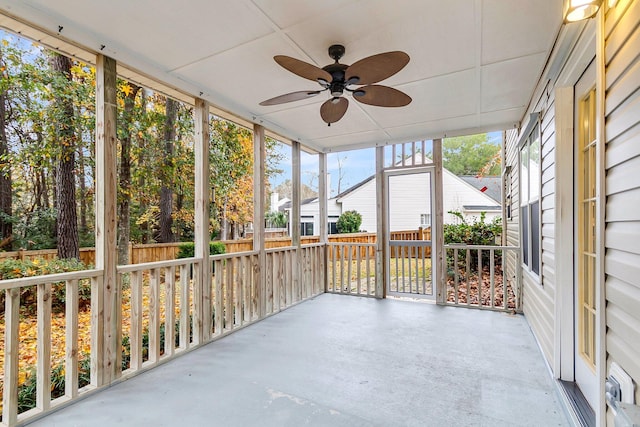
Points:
[(105, 303), (323, 193), (259, 157), (437, 227), (202, 289), (381, 213), (294, 221)]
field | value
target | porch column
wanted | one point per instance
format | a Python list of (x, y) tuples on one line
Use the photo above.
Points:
[(105, 293), (294, 221), (259, 156), (323, 192), (381, 230), (202, 290), (437, 232)]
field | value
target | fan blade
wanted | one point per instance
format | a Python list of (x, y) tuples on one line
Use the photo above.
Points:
[(302, 69), (290, 97), (333, 109), (382, 96), (377, 67)]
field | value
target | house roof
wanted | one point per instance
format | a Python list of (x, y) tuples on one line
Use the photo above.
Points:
[(287, 205), (473, 67), (492, 185)]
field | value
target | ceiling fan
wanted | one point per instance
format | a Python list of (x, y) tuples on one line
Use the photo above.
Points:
[(337, 78)]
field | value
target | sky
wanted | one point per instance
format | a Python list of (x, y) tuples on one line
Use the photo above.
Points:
[(357, 165)]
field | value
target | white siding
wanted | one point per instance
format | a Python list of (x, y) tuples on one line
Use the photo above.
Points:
[(538, 292), (410, 197), (622, 217), (363, 200)]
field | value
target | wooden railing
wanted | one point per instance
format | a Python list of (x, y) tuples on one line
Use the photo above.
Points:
[(164, 309), (67, 356), (159, 303), (476, 278), (351, 268)]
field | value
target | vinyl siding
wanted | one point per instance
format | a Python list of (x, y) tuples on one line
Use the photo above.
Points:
[(622, 187), (538, 292)]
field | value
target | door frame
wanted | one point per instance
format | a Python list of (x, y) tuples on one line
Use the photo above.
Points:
[(435, 266), (563, 365)]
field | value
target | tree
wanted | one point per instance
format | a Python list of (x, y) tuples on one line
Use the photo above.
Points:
[(165, 234), (64, 136), (468, 155), (349, 222), (285, 189), (130, 92), (6, 226), (276, 219)]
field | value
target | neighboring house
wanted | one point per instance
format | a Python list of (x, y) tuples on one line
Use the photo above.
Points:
[(409, 207)]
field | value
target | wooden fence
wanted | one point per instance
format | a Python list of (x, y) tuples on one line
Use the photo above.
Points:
[(153, 252)]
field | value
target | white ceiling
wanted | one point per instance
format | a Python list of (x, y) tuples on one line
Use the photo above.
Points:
[(474, 63)]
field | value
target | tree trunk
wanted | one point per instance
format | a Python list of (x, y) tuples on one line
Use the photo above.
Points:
[(65, 179), (165, 234), (124, 205), (6, 229), (142, 182)]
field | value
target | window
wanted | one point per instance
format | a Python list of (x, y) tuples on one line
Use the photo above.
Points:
[(586, 256), (333, 225), (425, 220), (306, 226), (530, 198)]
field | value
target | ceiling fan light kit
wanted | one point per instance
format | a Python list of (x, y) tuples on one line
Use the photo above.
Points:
[(336, 78)]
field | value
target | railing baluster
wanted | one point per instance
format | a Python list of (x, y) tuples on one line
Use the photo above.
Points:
[(169, 311), (342, 265), (228, 296), (11, 338), (71, 339), (456, 275), (480, 284), (237, 293), (468, 276), (505, 295), (333, 250), (154, 315), (358, 269), (402, 257), (492, 277), (368, 267), (184, 307), (350, 257), (135, 335), (43, 363), (409, 273)]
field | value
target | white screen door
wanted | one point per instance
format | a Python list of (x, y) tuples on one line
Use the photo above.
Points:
[(410, 233)]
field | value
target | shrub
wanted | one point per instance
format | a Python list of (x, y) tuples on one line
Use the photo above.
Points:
[(349, 222), (15, 269), (187, 249), (477, 233)]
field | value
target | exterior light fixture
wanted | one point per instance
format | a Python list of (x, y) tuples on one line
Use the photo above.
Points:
[(577, 10)]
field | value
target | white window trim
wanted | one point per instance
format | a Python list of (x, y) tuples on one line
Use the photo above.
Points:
[(533, 124)]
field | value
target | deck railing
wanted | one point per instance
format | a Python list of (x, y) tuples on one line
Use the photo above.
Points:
[(351, 268), (163, 312), (61, 345), (478, 277)]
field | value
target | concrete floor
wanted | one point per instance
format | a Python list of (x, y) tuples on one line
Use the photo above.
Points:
[(343, 361)]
